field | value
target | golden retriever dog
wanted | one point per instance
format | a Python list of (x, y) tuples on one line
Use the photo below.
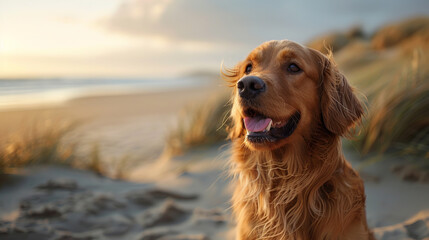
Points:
[(290, 107)]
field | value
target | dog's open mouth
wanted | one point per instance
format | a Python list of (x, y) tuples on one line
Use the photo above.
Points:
[(262, 129)]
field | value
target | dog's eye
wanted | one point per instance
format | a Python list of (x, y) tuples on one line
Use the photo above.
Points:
[(293, 68), (248, 68)]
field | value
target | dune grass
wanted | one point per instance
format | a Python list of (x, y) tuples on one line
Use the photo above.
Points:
[(199, 125), (398, 116), (94, 162), (395, 33), (46, 144), (42, 144), (391, 70)]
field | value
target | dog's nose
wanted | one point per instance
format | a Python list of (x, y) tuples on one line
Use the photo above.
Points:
[(250, 86)]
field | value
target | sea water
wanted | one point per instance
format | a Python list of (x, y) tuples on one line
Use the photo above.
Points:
[(18, 93)]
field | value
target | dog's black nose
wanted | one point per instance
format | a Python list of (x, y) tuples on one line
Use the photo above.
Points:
[(250, 86)]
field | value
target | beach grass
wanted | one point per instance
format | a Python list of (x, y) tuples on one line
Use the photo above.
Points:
[(398, 116), (41, 144), (47, 144), (122, 167), (95, 163), (393, 34), (199, 125)]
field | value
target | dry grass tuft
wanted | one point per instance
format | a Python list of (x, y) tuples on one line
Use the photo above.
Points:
[(121, 168), (94, 163), (399, 114), (46, 144), (198, 126), (41, 145), (394, 34)]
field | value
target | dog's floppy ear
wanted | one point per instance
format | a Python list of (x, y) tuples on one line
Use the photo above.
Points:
[(340, 108)]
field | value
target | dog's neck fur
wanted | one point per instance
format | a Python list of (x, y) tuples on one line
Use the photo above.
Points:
[(287, 184)]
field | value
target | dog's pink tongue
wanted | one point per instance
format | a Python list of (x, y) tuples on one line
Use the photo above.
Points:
[(256, 124)]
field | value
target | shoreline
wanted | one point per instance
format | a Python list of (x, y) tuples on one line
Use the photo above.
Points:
[(103, 95), (184, 95), (15, 94)]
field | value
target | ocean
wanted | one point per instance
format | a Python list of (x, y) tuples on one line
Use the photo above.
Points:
[(21, 93)]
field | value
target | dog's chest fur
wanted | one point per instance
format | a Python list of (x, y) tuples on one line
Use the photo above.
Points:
[(290, 194)]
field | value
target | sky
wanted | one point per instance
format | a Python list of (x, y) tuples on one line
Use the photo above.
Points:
[(165, 38)]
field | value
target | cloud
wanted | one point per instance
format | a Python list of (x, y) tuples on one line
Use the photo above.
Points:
[(250, 21), (220, 21)]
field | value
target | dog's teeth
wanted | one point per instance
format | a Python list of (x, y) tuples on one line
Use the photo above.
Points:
[(276, 124), (269, 126)]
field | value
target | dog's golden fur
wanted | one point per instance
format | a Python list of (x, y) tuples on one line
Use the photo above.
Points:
[(300, 187)]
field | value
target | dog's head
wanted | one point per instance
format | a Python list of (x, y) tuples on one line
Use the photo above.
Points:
[(283, 91)]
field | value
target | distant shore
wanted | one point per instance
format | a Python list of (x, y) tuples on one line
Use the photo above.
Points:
[(30, 93)]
